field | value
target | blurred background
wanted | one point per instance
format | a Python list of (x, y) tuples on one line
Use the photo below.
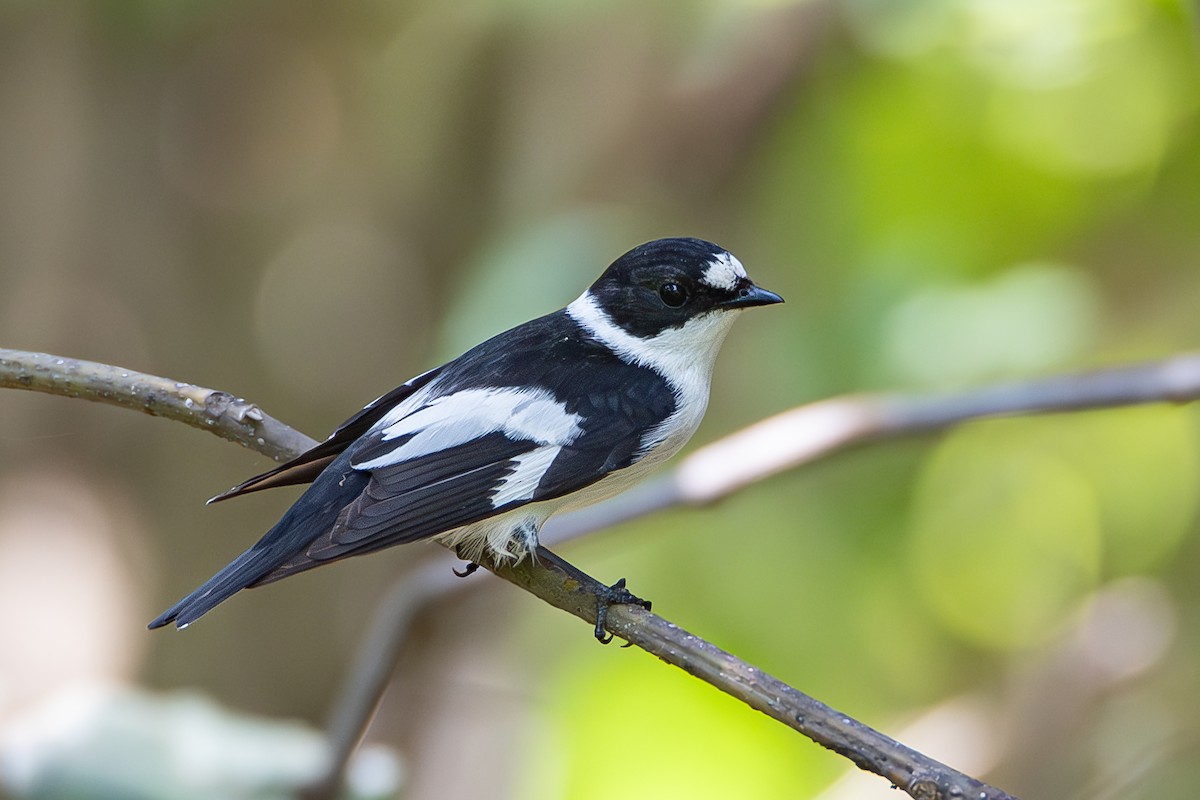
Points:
[(306, 203)]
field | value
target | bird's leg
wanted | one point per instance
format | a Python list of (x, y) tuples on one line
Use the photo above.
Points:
[(606, 596)]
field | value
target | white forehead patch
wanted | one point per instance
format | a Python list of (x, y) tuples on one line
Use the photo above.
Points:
[(724, 272)]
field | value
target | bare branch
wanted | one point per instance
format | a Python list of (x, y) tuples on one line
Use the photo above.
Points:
[(793, 438), (915, 773), (374, 663), (861, 419), (207, 409), (809, 432)]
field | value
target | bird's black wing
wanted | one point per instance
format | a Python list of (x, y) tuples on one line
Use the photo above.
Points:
[(615, 408), (305, 467), (532, 415)]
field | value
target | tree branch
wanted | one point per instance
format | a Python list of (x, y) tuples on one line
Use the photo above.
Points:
[(771, 446), (809, 432), (917, 774), (793, 438), (207, 409)]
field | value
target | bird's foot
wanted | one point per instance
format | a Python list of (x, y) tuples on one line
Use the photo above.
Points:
[(469, 569), (606, 596), (615, 595)]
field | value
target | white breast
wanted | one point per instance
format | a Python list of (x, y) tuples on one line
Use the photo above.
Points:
[(684, 356)]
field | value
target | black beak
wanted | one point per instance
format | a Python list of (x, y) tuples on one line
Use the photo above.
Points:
[(749, 295)]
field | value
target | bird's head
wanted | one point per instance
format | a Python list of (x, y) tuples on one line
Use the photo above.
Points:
[(669, 303), (666, 283)]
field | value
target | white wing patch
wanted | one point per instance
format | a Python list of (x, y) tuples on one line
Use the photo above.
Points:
[(458, 418), (527, 473), (724, 272)]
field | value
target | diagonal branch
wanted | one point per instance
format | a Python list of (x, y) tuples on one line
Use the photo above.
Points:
[(782, 442), (771, 446), (793, 438), (917, 774)]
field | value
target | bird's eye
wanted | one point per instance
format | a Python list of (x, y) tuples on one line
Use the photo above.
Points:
[(672, 294)]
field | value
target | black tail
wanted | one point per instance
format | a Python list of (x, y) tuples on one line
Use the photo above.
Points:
[(312, 515)]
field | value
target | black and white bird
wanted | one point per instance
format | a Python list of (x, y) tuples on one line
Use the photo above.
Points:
[(552, 415)]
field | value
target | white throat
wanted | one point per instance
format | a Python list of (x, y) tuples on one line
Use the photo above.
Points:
[(683, 355)]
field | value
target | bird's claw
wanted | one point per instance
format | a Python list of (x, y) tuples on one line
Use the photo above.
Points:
[(615, 595), (469, 569)]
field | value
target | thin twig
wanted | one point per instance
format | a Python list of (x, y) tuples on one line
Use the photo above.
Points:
[(374, 663), (809, 432)]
